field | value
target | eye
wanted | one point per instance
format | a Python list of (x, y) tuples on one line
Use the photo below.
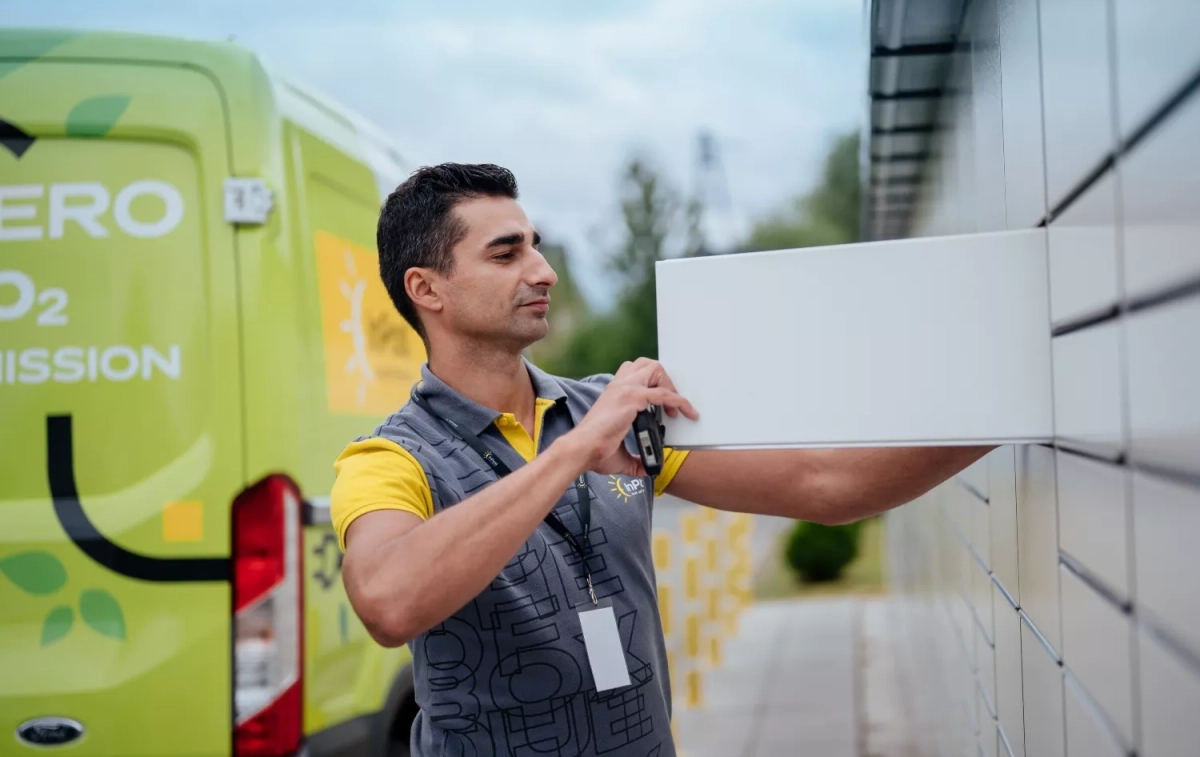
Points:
[(504, 256)]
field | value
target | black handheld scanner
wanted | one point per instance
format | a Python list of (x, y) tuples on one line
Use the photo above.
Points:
[(648, 431)]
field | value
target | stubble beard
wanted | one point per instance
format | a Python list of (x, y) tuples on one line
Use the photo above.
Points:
[(514, 334)]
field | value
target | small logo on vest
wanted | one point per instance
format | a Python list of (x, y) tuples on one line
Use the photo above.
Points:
[(625, 488)]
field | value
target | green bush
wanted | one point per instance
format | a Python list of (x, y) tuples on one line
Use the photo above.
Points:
[(819, 553)]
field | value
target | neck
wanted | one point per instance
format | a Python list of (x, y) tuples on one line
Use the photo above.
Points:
[(495, 378)]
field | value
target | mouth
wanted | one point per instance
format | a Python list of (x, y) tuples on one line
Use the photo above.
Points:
[(540, 305)]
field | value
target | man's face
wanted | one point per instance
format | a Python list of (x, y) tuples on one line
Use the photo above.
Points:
[(498, 290)]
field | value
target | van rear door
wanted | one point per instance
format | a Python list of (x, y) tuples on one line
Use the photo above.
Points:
[(119, 404)]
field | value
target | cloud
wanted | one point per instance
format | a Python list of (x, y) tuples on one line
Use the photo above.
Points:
[(560, 92)]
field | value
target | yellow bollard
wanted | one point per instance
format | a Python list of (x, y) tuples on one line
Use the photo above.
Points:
[(695, 689), (690, 526), (662, 550), (691, 578), (731, 580), (692, 642), (731, 623)]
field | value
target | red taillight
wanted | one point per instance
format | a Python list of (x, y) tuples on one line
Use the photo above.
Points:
[(276, 729), (268, 620)]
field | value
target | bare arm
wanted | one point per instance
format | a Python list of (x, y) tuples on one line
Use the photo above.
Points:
[(404, 575), (828, 486)]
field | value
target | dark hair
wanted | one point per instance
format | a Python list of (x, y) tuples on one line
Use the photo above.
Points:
[(417, 228)]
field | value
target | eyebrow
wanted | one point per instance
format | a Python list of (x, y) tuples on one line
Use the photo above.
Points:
[(511, 239)]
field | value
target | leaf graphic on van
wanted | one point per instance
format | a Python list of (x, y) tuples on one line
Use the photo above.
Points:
[(57, 624), (96, 116), (37, 573), (102, 613)]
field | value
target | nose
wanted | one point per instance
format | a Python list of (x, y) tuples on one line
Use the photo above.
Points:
[(540, 274)]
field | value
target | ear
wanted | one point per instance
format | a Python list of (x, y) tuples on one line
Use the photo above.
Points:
[(423, 285)]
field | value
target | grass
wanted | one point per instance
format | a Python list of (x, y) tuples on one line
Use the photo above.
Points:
[(863, 576)]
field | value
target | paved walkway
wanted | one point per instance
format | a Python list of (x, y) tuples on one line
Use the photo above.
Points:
[(797, 680)]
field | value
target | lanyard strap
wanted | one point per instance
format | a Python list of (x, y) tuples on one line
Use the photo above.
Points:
[(582, 495)]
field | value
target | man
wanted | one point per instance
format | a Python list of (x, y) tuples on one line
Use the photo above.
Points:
[(463, 515)]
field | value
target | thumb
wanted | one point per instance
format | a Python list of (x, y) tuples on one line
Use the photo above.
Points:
[(632, 464), (621, 463)]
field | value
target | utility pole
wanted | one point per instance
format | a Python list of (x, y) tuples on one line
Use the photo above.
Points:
[(709, 185)]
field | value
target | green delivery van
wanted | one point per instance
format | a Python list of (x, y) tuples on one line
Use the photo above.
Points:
[(192, 326)]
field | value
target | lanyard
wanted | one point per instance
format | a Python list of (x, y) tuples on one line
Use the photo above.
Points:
[(501, 470)]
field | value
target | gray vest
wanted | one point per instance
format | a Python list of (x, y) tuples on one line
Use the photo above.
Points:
[(508, 674)]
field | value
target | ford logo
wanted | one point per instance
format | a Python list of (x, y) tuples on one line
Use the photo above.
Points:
[(49, 731)]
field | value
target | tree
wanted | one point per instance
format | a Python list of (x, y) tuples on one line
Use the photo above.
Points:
[(656, 221), (839, 196), (829, 214), (659, 223)]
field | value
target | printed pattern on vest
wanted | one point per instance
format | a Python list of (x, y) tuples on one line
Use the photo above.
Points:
[(508, 674)]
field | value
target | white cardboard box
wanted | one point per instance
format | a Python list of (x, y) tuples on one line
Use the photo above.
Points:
[(914, 342)]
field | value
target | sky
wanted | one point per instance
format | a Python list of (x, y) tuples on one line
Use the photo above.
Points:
[(561, 92)]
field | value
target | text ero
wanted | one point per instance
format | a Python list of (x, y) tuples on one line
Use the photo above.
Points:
[(85, 203)]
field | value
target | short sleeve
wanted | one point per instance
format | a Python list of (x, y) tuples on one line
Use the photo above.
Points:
[(672, 459), (377, 474), (603, 379)]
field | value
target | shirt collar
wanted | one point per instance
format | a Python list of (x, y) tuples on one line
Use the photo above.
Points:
[(545, 386), (472, 415)]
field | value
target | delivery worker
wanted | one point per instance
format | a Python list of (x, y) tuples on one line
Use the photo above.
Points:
[(498, 521)]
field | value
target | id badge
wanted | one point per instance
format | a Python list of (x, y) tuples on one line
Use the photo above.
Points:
[(604, 649)]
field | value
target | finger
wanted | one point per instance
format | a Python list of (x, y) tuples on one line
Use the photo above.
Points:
[(625, 369), (623, 464), (688, 411), (660, 395), (664, 380), (645, 372), (660, 377), (633, 465), (670, 401), (671, 410), (649, 373)]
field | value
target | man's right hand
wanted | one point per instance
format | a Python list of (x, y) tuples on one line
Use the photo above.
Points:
[(601, 434)]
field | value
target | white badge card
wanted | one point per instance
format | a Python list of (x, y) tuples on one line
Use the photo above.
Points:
[(604, 650)]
